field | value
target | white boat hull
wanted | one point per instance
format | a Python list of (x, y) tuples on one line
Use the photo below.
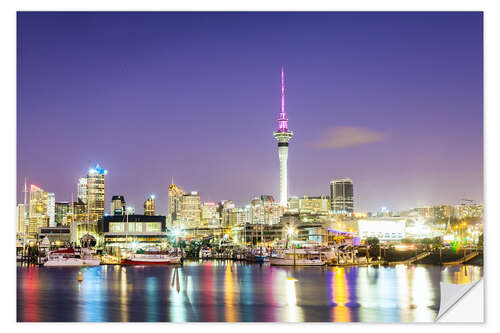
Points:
[(71, 262), (296, 262)]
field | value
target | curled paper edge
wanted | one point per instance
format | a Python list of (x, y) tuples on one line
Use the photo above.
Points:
[(451, 294)]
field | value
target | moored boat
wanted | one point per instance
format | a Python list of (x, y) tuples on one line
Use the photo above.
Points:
[(298, 257), (71, 258), (152, 257)]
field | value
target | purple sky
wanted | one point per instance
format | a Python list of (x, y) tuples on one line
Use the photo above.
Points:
[(392, 100)]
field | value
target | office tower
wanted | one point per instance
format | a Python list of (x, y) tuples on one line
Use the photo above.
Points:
[(314, 204), (293, 203), (149, 205), (468, 209), (82, 190), (225, 207), (175, 195), (79, 211), (38, 210), (283, 135), (20, 219), (96, 186), (117, 205), (190, 213), (63, 213), (51, 209), (209, 214), (442, 212), (238, 216), (342, 196)]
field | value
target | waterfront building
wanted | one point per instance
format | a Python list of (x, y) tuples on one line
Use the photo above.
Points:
[(139, 231), (20, 218), (209, 214), (117, 205), (96, 190), (82, 190), (38, 210), (175, 195), (342, 196), (385, 229), (63, 213), (279, 234), (57, 236), (283, 136), (149, 205), (190, 214), (51, 209)]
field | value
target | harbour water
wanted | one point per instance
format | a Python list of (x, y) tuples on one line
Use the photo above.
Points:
[(210, 291)]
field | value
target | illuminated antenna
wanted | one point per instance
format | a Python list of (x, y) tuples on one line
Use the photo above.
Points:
[(283, 121), (282, 93)]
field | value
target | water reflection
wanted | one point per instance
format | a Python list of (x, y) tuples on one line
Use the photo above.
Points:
[(461, 274), (123, 295), (227, 291)]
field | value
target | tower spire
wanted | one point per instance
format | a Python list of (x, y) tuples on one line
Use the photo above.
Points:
[(282, 92), (283, 121), (283, 135)]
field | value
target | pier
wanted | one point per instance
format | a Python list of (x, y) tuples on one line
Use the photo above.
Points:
[(411, 260), (462, 260)]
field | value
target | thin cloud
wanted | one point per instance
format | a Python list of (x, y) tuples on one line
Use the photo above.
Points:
[(348, 136)]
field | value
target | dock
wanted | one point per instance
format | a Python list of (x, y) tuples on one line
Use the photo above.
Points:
[(411, 260), (461, 260)]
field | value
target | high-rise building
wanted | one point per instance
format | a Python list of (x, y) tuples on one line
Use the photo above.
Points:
[(79, 211), (51, 209), (38, 209), (63, 213), (238, 216), (190, 214), (20, 219), (96, 186), (264, 210), (308, 204), (442, 212), (283, 135), (82, 190), (468, 210), (424, 211), (175, 195), (225, 207), (342, 196), (117, 205), (149, 205), (209, 214)]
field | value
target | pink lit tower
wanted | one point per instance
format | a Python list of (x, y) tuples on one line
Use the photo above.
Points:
[(283, 135)]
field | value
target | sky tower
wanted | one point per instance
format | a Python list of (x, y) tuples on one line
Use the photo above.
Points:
[(283, 135)]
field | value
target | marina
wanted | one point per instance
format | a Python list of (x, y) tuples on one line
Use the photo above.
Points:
[(222, 290)]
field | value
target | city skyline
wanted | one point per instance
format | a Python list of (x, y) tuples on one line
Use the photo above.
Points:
[(206, 119)]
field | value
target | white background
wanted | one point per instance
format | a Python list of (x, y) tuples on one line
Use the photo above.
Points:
[(8, 153)]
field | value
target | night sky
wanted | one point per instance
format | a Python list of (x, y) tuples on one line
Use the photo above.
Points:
[(392, 100)]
